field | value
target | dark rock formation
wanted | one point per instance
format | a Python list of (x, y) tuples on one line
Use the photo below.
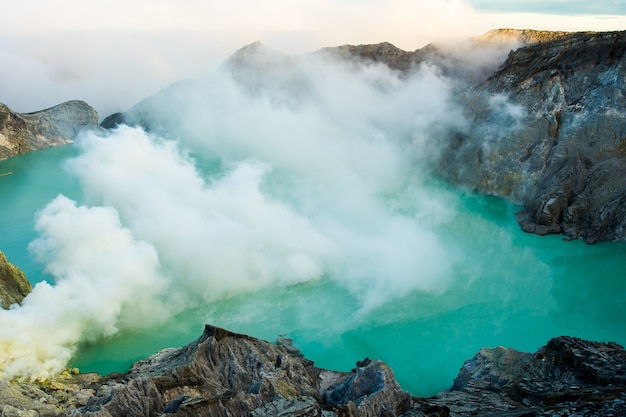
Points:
[(554, 141), (568, 376), (13, 283), (229, 374), (58, 125)]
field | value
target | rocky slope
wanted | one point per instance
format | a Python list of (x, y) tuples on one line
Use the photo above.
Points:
[(58, 125), (229, 374), (560, 150), (13, 283)]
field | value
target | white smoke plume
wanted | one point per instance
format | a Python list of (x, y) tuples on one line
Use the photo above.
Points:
[(104, 279), (322, 179)]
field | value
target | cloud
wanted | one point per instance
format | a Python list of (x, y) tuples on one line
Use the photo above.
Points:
[(113, 59), (104, 279), (254, 188)]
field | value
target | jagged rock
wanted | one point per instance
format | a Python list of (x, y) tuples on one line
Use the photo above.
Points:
[(13, 283), (58, 125), (224, 373), (549, 133), (230, 374), (567, 376)]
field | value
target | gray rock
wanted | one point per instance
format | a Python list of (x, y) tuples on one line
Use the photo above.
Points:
[(229, 374), (563, 159), (13, 283), (58, 125)]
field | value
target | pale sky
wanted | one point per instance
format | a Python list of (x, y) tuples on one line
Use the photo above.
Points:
[(112, 53)]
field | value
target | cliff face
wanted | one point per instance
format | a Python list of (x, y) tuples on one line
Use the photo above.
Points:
[(58, 125), (229, 374), (13, 283), (562, 154), (547, 127)]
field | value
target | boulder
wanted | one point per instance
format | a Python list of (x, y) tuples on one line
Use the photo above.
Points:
[(13, 283)]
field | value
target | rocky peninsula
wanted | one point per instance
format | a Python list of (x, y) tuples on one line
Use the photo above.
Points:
[(13, 283)]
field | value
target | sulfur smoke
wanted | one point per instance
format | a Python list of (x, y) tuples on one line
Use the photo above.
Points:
[(317, 175)]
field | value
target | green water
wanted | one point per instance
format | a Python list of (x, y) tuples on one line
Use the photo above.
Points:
[(506, 288)]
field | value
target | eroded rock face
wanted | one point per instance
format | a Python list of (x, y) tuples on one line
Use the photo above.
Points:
[(568, 376), (13, 283), (229, 374), (549, 133), (58, 125)]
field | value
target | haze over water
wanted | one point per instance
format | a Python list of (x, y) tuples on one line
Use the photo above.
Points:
[(504, 287)]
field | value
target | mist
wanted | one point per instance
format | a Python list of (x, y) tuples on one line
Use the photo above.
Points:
[(112, 59), (247, 186)]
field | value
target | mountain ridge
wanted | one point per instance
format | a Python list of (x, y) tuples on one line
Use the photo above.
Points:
[(57, 125)]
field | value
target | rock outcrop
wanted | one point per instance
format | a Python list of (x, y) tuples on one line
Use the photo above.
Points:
[(13, 283), (58, 125), (230, 374), (547, 127), (568, 376), (549, 133)]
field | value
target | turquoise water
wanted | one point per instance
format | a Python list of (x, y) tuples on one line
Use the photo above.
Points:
[(504, 288)]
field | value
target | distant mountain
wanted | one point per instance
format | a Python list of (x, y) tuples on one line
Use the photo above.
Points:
[(58, 125)]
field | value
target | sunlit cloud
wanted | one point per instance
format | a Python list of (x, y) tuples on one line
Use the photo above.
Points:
[(114, 53)]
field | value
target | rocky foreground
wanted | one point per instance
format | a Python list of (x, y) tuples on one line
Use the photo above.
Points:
[(229, 374)]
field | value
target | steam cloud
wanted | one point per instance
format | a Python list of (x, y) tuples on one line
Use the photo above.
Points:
[(317, 178)]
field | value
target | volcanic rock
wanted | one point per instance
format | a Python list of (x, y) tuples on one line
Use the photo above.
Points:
[(58, 125), (229, 374), (549, 133), (13, 283)]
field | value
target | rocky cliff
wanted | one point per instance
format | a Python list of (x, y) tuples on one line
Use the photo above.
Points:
[(549, 133), (58, 125), (13, 283), (547, 125), (228, 374)]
